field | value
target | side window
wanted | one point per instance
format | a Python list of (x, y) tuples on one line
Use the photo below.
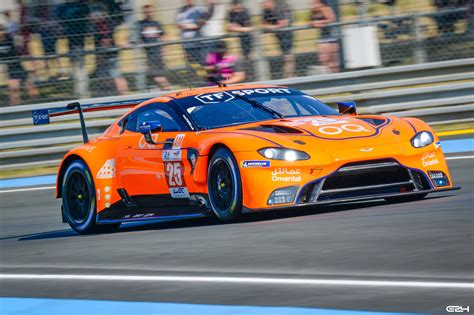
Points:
[(161, 112), (126, 123)]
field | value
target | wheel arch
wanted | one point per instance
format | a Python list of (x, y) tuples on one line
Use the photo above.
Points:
[(216, 146), (62, 169)]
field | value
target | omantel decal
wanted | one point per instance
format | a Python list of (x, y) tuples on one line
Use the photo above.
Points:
[(429, 159), (283, 174)]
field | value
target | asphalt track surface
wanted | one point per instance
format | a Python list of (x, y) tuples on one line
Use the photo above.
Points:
[(371, 254)]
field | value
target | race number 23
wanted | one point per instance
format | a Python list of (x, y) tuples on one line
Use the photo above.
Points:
[(174, 172)]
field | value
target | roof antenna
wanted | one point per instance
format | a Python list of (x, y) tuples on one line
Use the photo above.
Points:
[(187, 63)]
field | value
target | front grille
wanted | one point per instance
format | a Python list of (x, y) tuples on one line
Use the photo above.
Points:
[(368, 178)]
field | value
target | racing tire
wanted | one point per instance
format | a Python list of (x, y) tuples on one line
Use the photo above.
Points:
[(225, 186), (79, 200), (405, 198)]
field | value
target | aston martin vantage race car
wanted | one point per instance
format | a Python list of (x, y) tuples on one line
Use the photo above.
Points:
[(232, 150)]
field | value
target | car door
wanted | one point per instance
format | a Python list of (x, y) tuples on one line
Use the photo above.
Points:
[(154, 175)]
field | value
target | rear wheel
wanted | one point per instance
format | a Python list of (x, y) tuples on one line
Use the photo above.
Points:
[(79, 203), (225, 187)]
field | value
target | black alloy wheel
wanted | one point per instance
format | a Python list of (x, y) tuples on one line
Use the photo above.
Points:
[(225, 187), (79, 201)]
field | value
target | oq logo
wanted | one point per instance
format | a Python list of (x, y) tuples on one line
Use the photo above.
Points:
[(336, 130)]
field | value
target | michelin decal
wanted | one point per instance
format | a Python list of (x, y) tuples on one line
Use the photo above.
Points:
[(265, 164)]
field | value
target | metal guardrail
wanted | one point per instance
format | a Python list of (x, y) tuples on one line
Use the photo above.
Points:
[(400, 91)]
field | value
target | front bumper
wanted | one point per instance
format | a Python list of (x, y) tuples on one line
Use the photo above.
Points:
[(342, 180), (355, 199)]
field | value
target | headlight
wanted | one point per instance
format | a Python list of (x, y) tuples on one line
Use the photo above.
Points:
[(283, 154), (422, 139)]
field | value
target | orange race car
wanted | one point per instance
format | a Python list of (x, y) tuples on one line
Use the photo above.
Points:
[(244, 148)]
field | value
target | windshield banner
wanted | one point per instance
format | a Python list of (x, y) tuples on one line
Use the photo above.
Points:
[(222, 97)]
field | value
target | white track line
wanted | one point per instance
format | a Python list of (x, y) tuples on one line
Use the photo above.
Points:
[(460, 157), (27, 189), (243, 280)]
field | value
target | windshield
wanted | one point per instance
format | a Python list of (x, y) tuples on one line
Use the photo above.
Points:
[(296, 105), (209, 111), (234, 112)]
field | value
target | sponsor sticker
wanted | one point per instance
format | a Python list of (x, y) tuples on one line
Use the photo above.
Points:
[(316, 122), (89, 148), (142, 144), (171, 155), (179, 192), (336, 130), (265, 164), (178, 141), (247, 92), (107, 170), (283, 174), (437, 144), (40, 117), (174, 172), (429, 159), (222, 97), (215, 98)]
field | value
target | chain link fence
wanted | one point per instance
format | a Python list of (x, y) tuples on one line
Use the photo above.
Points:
[(97, 51)]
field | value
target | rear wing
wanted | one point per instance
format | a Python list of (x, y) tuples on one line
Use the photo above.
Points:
[(42, 116)]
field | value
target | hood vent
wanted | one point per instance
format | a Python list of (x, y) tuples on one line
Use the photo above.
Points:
[(274, 129), (373, 121)]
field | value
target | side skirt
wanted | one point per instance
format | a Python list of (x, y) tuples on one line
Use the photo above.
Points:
[(144, 207)]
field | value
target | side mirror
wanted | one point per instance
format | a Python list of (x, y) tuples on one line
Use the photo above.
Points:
[(347, 108), (148, 127)]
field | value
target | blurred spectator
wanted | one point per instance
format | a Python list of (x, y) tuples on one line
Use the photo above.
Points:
[(215, 19), (190, 19), (239, 22), (151, 32), (25, 27), (222, 67), (105, 18), (12, 26), (446, 21), (47, 26), (73, 16), (9, 55), (214, 26), (328, 50), (275, 18), (470, 18)]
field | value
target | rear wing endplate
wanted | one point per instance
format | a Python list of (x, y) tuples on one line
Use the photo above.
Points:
[(42, 116)]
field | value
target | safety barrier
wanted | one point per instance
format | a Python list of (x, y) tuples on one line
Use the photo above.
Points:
[(440, 93)]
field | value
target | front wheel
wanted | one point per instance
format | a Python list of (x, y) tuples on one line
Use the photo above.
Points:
[(225, 186), (79, 203)]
